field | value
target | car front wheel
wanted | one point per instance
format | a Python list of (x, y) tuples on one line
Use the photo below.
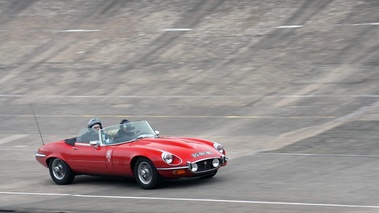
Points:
[(146, 174), (60, 172)]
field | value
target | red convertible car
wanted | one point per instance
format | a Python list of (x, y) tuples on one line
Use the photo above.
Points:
[(141, 154)]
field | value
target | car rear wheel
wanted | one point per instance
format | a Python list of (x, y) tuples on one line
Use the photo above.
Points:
[(146, 174), (60, 172)]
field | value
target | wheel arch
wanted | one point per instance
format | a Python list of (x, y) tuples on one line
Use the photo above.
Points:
[(52, 157), (152, 155)]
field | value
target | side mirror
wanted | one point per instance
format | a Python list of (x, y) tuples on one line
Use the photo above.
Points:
[(157, 133), (95, 144)]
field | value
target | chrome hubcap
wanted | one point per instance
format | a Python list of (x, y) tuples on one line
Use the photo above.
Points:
[(144, 173), (58, 169)]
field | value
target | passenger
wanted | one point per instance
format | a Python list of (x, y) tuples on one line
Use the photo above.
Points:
[(94, 125), (125, 130)]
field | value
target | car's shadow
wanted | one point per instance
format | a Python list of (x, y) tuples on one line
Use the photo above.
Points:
[(105, 180), (130, 182)]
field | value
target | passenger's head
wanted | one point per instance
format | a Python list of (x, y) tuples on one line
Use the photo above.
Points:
[(95, 124), (125, 125), (124, 121)]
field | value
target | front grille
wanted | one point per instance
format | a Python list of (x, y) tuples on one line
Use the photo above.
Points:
[(205, 165)]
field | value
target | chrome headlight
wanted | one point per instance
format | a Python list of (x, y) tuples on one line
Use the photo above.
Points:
[(215, 163), (194, 167), (219, 147), (167, 157)]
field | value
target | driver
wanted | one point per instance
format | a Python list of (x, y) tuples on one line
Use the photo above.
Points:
[(125, 129), (94, 125)]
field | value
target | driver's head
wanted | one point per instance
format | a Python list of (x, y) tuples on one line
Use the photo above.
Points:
[(94, 124)]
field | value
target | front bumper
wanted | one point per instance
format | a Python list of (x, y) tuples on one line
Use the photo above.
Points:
[(39, 155), (204, 165), (41, 158)]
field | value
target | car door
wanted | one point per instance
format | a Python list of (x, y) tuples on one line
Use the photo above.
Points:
[(88, 159)]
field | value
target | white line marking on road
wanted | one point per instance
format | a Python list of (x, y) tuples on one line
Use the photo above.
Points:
[(189, 29), (11, 138), (190, 96), (289, 26), (177, 29), (35, 193), (198, 200), (77, 31), (20, 146), (365, 24)]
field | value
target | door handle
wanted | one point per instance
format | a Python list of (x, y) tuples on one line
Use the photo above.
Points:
[(74, 148)]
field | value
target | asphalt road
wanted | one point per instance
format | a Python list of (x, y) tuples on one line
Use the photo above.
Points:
[(291, 88)]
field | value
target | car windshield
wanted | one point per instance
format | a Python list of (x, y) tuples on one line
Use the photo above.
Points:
[(87, 135), (127, 132)]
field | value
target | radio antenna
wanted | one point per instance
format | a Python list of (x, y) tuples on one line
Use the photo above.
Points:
[(35, 118)]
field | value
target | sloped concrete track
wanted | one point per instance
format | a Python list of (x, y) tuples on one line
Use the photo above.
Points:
[(289, 87)]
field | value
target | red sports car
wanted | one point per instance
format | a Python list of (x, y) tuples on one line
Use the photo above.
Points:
[(140, 153)]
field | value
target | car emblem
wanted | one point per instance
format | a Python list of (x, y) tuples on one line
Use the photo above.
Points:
[(108, 155), (205, 163)]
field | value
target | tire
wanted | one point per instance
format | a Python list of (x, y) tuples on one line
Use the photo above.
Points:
[(60, 172), (146, 174)]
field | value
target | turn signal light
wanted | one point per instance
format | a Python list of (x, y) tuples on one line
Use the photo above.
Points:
[(179, 172)]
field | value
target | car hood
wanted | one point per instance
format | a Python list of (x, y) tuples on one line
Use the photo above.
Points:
[(177, 145)]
